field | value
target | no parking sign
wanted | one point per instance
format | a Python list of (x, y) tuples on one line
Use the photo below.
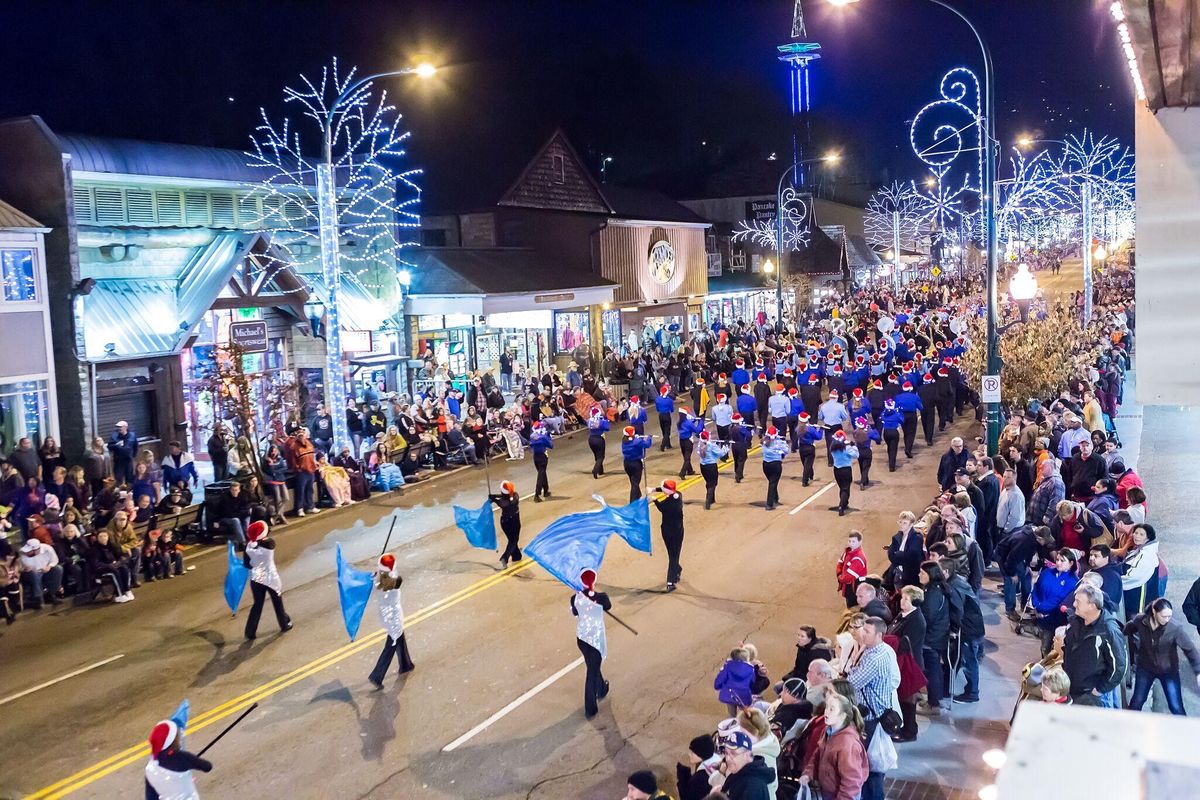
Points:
[(991, 389)]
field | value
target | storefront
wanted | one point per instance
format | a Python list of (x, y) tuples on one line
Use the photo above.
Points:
[(27, 402)]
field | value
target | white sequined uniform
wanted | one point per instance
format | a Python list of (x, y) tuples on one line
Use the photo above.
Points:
[(590, 626), (262, 567), (391, 613), (169, 784)]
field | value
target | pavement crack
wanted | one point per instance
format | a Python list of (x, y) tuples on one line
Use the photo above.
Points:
[(371, 791)]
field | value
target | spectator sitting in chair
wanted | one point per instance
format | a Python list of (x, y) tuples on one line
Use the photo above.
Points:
[(171, 552), (172, 503), (233, 512), (143, 510), (41, 573), (457, 443), (106, 562), (122, 534), (77, 575)]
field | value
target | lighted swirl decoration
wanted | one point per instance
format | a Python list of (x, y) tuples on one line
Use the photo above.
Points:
[(950, 127)]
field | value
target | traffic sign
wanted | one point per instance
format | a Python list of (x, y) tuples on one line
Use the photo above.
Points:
[(935, 271), (991, 389)]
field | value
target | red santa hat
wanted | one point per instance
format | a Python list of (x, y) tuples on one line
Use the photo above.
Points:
[(837, 348), (668, 486), (857, 393), (723, 376), (788, 372), (877, 384), (779, 388), (629, 430), (162, 736), (595, 412), (804, 417), (893, 379), (833, 393), (537, 425), (813, 380), (687, 412), (665, 390), (633, 399), (839, 434), (803, 363), (907, 386), (762, 377), (256, 530), (508, 487), (588, 578), (792, 392), (736, 417), (745, 388), (889, 403), (704, 435), (720, 397), (758, 362), (772, 430), (699, 381), (860, 359), (741, 362), (837, 369), (909, 366), (387, 561), (927, 378), (943, 372)]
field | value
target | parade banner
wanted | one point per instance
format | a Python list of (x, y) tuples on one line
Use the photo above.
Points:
[(235, 580), (478, 524), (354, 590)]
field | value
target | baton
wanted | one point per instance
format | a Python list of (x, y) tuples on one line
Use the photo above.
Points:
[(620, 622), (227, 730), (389, 536)]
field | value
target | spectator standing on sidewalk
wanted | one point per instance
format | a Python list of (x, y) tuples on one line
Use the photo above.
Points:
[(1156, 638), (1095, 656)]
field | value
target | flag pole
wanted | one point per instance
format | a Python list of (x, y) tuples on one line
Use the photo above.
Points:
[(622, 623), (227, 730), (391, 528), (486, 470)]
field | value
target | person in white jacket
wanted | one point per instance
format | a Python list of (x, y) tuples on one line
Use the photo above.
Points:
[(1140, 581), (391, 614)]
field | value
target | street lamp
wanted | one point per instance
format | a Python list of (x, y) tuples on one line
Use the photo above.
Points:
[(327, 213), (1023, 287), (988, 195), (768, 267), (832, 157)]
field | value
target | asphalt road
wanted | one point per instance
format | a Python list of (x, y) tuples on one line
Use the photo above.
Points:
[(481, 639)]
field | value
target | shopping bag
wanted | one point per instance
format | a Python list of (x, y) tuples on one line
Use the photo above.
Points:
[(881, 753)]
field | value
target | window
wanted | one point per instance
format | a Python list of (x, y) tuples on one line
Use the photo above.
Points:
[(433, 237), (560, 169), (17, 273), (571, 329)]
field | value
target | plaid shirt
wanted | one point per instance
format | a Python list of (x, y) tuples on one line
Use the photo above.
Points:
[(1045, 499), (876, 676)]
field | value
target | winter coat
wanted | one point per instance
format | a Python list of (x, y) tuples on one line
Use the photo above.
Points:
[(966, 616), (1050, 592), (936, 611), (1158, 649), (1140, 581), (751, 782), (733, 683), (819, 648), (1094, 656), (840, 766), (768, 748), (906, 560), (1016, 550), (910, 627), (1191, 604), (1103, 506)]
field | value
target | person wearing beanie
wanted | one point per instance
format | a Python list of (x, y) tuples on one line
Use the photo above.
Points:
[(664, 404), (597, 427), (633, 452), (509, 503), (391, 615), (540, 443), (692, 779), (259, 558), (636, 414), (642, 785), (711, 452), (169, 770), (589, 606), (670, 505), (832, 415)]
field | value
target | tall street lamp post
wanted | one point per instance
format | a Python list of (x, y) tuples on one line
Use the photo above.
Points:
[(829, 158), (988, 124), (327, 214)]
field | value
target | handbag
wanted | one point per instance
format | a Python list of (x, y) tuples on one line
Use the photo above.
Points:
[(891, 721)]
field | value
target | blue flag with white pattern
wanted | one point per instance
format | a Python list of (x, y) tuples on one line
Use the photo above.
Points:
[(235, 580), (479, 524), (577, 542), (354, 590)]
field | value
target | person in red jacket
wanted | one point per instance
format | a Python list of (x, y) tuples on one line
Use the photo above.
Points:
[(851, 567), (1126, 479)]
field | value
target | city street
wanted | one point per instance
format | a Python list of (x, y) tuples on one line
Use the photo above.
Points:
[(481, 638)]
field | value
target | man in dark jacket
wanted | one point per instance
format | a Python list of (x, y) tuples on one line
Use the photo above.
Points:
[(123, 445), (747, 776), (1100, 560), (985, 525), (966, 618), (963, 483), (1095, 656), (1013, 554), (1081, 471), (952, 461)]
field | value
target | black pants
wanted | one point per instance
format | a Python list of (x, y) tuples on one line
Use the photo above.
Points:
[(709, 471), (762, 422), (781, 424), (844, 477), (664, 425), (674, 544), (685, 450), (864, 466), (793, 428), (773, 470), (829, 431), (927, 424), (512, 532), (392, 647), (945, 411), (542, 487), (891, 437), (593, 682), (634, 470), (808, 454), (597, 445), (910, 431), (723, 432), (260, 592), (739, 463)]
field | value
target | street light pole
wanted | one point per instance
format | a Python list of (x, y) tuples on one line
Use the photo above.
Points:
[(1087, 252), (829, 158), (327, 216)]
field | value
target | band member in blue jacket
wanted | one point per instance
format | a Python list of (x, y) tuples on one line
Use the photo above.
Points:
[(908, 403), (864, 434), (891, 420), (746, 404), (597, 427), (741, 437), (844, 454), (711, 452), (774, 449), (689, 426), (807, 436), (795, 408), (664, 404), (637, 415), (539, 443), (633, 450)]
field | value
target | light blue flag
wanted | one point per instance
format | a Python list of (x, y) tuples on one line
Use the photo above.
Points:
[(354, 590), (633, 523), (577, 542), (180, 717), (478, 524), (235, 580)]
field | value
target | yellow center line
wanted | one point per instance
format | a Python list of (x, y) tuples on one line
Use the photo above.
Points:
[(130, 755)]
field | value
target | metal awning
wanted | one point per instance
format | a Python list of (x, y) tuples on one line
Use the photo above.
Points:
[(358, 309), (377, 360)]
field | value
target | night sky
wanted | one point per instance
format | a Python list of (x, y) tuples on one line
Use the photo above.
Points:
[(671, 90)]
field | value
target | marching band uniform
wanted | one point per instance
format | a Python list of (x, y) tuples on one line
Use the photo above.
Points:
[(510, 521), (169, 770), (633, 450), (391, 614), (710, 453), (597, 427), (742, 436), (589, 606), (259, 558), (670, 505), (637, 415), (689, 426), (665, 404), (539, 443), (773, 449)]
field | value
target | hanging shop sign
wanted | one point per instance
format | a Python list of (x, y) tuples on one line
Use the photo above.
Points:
[(250, 336), (662, 261), (761, 210)]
